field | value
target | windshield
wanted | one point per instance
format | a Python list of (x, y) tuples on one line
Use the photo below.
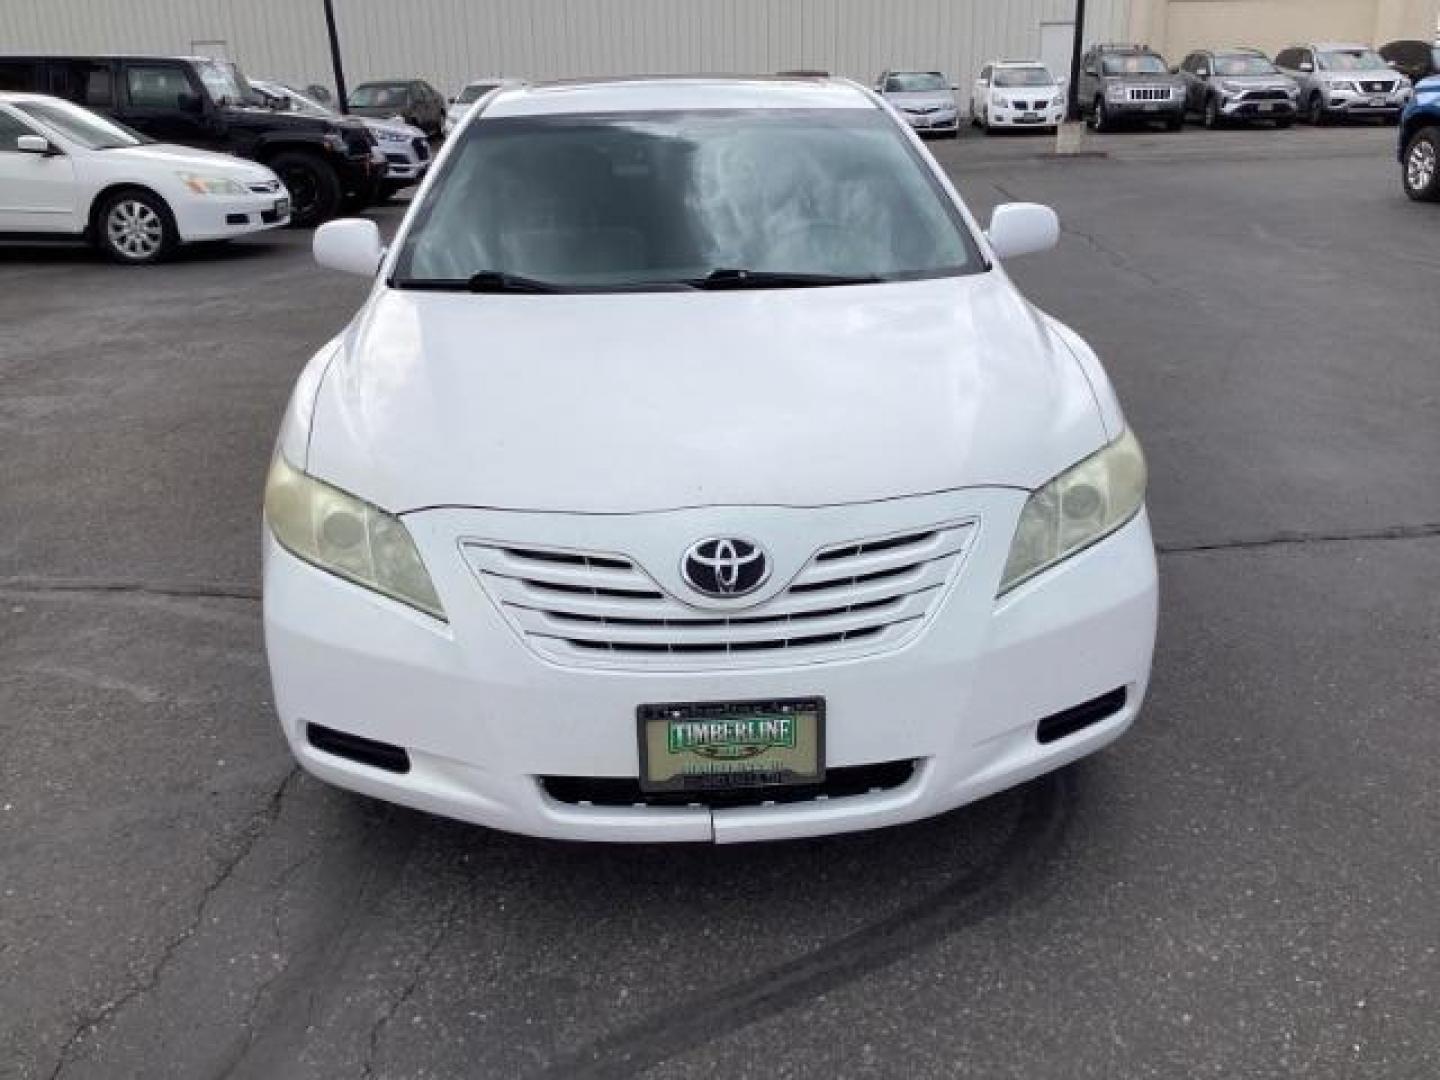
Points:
[(474, 92), (1135, 64), (1244, 65), (1351, 60), (667, 198), (299, 103), (915, 82), (81, 125), (225, 83), (379, 95), (1011, 77)]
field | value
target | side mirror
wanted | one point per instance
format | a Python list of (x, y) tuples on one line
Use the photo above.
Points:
[(954, 86), (1092, 71), (349, 244), (1203, 73), (188, 102), (1307, 67), (1022, 229), (34, 144)]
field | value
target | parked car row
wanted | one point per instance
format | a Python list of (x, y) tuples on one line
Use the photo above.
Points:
[(1321, 82)]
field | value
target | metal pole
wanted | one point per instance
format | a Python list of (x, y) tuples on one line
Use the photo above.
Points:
[(1077, 51), (339, 68)]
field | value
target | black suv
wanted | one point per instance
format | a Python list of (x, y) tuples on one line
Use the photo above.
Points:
[(328, 165), (413, 100), (1416, 59)]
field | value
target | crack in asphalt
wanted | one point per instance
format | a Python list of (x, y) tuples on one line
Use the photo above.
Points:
[(1299, 539), (1016, 872), (417, 975), (221, 590), (254, 829)]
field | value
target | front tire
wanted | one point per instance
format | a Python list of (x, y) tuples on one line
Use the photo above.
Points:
[(1212, 113), (1100, 117), (1422, 166), (135, 227), (1316, 112), (315, 191)]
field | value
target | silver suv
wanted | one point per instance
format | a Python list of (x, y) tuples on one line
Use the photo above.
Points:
[(1129, 82), (1339, 80)]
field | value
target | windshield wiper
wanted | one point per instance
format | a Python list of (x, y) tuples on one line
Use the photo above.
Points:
[(486, 281), (727, 278)]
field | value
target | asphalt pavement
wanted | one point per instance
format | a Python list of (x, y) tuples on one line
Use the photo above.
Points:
[(1247, 885)]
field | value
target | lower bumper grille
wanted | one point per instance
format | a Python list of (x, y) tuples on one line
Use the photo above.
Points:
[(1064, 724), (377, 755), (625, 791)]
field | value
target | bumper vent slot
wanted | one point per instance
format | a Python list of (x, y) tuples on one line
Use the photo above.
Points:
[(1067, 723), (377, 755), (625, 791), (603, 609)]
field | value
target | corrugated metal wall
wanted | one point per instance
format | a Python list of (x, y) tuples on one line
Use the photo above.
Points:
[(447, 41)]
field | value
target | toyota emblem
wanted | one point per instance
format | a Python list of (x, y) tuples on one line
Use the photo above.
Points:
[(725, 566)]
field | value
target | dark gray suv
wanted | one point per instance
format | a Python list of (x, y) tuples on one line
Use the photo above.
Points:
[(1129, 82), (1239, 85)]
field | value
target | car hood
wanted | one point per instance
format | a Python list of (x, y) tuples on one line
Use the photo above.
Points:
[(923, 99), (379, 112), (650, 401), (1258, 82), (399, 126), (185, 157)]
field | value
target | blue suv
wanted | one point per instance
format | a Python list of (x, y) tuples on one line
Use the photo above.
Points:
[(1420, 143)]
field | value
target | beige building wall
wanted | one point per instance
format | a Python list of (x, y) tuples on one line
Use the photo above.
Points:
[(1176, 27)]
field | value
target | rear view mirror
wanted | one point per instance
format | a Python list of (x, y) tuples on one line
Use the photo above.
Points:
[(1023, 229), (33, 144), (349, 244)]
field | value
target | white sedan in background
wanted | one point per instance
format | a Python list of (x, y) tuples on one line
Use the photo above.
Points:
[(1017, 94), (67, 172), (470, 93)]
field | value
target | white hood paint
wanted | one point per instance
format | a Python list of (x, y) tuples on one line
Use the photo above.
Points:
[(651, 401), (185, 157)]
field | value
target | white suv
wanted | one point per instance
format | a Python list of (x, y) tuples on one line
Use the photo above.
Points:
[(694, 471)]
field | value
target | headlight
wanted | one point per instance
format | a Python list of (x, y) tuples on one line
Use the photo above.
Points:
[(1084, 504), (1231, 88), (1057, 101), (335, 141), (1115, 90), (201, 184), (1344, 86), (346, 536), (386, 135), (999, 100)]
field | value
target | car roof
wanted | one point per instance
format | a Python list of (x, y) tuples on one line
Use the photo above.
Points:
[(1017, 63), (12, 96), (678, 93), (1236, 50), (1338, 46)]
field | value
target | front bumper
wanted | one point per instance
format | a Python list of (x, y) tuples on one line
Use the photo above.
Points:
[(939, 121), (1006, 117), (483, 717), (1146, 110), (1363, 103), (214, 217), (1244, 108)]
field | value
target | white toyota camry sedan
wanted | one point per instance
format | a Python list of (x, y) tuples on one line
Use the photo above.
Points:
[(694, 471)]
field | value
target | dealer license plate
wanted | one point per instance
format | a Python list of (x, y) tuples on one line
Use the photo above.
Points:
[(1031, 116), (724, 746), (1265, 106), (282, 207)]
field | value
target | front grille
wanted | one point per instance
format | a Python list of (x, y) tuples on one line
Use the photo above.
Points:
[(1148, 93), (602, 609), (625, 791), (1265, 95), (398, 159), (421, 147), (1377, 87), (922, 110)]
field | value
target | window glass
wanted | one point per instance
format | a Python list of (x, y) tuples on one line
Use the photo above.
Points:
[(99, 84), (17, 76), (655, 199), (474, 92), (1135, 64), (380, 95), (156, 87), (1243, 65), (1028, 76), (10, 130), (1351, 60), (915, 81), (81, 125)]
